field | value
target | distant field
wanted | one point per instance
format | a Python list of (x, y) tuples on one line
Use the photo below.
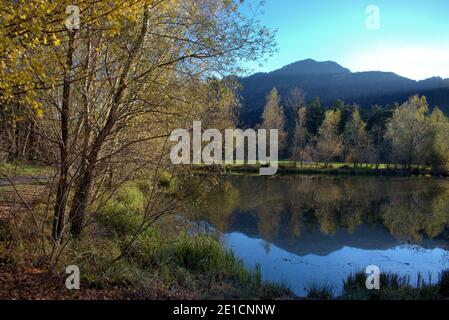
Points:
[(284, 166), (293, 167)]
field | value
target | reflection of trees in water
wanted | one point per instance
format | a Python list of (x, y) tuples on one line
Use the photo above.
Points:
[(221, 204), (423, 212), (286, 206)]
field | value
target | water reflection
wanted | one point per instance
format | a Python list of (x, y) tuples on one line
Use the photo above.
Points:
[(319, 228)]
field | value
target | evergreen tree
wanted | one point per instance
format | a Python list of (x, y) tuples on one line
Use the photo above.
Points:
[(315, 116)]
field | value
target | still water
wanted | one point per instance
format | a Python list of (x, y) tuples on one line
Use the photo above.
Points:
[(318, 229)]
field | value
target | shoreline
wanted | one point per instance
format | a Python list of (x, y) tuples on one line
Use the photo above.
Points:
[(290, 169)]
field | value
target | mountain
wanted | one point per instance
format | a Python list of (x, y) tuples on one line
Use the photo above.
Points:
[(310, 66), (330, 81)]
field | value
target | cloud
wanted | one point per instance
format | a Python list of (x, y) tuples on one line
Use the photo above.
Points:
[(413, 62)]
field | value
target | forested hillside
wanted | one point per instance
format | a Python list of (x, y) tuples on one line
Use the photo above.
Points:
[(329, 81)]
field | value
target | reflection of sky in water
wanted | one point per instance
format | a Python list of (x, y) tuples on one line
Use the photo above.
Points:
[(297, 271)]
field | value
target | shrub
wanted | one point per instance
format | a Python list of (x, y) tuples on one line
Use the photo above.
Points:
[(168, 181)]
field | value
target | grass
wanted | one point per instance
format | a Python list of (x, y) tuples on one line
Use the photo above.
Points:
[(395, 287), (196, 264), (121, 214), (392, 287), (316, 291), (24, 169)]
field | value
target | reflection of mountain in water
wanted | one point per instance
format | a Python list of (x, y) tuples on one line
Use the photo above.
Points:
[(319, 215), (317, 243), (298, 272)]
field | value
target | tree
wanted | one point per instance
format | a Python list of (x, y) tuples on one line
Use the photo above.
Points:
[(346, 113), (379, 116), (315, 116), (119, 84), (300, 137), (439, 153), (273, 118), (295, 99), (329, 143), (357, 143), (380, 146), (408, 132)]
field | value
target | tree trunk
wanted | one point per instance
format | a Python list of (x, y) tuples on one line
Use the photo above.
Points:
[(81, 198), (63, 186), (32, 140)]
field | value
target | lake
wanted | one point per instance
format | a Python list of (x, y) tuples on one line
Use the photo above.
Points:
[(318, 229)]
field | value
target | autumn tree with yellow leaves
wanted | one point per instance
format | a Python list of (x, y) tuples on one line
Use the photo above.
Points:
[(104, 96)]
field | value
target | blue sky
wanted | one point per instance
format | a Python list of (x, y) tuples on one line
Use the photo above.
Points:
[(413, 38)]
